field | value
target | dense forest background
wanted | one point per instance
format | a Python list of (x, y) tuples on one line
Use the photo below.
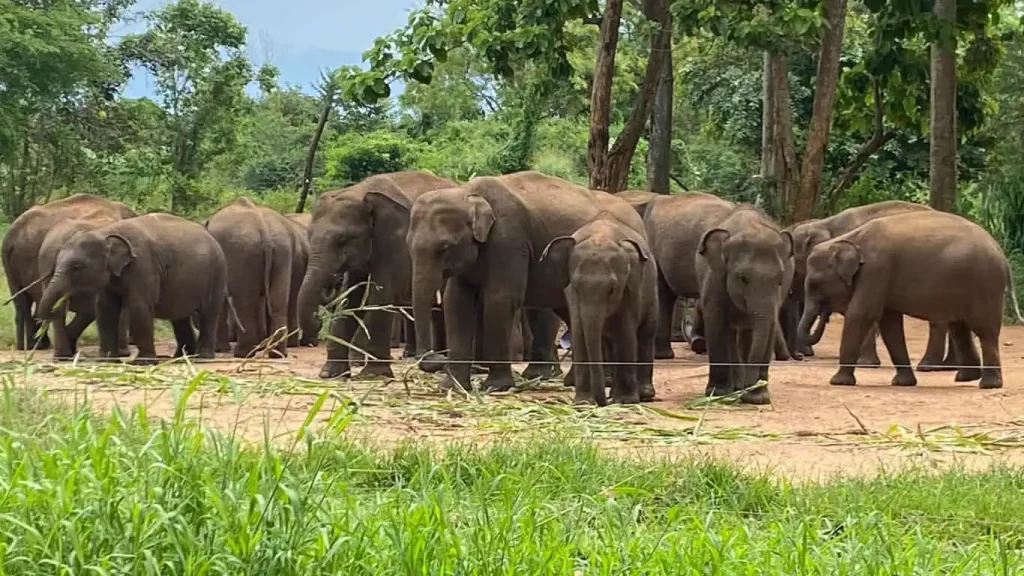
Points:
[(736, 99)]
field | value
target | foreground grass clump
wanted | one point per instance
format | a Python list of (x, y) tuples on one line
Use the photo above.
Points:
[(124, 494)]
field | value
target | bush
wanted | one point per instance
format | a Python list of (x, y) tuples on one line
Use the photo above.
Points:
[(353, 157)]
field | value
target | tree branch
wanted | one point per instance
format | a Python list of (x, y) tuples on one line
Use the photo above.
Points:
[(878, 139)]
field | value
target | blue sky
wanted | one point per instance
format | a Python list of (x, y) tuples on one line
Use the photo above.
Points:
[(300, 36)]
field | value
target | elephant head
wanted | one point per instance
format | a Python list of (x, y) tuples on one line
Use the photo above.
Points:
[(343, 234), (447, 228), (831, 276), (754, 265), (806, 235), (86, 264)]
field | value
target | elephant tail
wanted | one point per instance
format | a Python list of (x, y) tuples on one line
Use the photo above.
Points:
[(1013, 293), (233, 314), (268, 272)]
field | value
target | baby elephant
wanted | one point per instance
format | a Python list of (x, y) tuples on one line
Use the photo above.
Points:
[(613, 300), (930, 265), (152, 266)]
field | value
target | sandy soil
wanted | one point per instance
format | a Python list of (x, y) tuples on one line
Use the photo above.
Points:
[(811, 431)]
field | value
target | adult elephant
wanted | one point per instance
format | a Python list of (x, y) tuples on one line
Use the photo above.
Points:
[(266, 255), (152, 266), (20, 253), (808, 234), (360, 231), (934, 266), (83, 304), (486, 238)]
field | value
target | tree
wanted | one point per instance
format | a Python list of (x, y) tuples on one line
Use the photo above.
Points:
[(659, 152), (196, 53), (942, 155), (328, 89)]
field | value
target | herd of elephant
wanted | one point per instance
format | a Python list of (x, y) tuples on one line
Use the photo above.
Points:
[(493, 264)]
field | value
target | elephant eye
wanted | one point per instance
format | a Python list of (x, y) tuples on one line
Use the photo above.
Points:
[(742, 277)]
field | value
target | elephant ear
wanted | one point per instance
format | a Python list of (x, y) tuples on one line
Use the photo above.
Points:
[(641, 249), (787, 237), (383, 196), (482, 217), (557, 244), (847, 259), (120, 253), (710, 246), (815, 237)]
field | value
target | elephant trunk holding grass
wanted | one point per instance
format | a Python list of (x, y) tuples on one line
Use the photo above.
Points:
[(360, 231), (152, 266), (612, 297), (931, 265)]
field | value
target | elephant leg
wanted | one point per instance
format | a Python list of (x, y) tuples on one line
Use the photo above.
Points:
[(991, 373), (409, 327), (971, 369), (781, 350), (623, 354), (141, 314), (62, 347), (952, 361), (252, 314), (678, 316), (645, 358), (932, 361), (461, 308), (396, 331), (543, 356), (757, 367), (378, 324), (109, 311), (123, 326), (891, 327), (666, 306), (342, 332), (580, 371), (855, 330), (439, 336), (721, 341), (698, 341), (185, 337), (73, 330), (479, 355), (223, 333), (278, 312), (869, 350), (499, 311), (22, 320)]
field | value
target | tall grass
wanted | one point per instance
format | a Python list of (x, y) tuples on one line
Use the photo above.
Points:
[(125, 494)]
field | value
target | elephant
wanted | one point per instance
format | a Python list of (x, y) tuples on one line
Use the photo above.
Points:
[(931, 265), (360, 230), (484, 238), (83, 304), (744, 263), (810, 233), (612, 296), (20, 253), (152, 266), (266, 256)]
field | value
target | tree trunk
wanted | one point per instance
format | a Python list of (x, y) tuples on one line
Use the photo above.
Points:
[(834, 13), (942, 154), (659, 153), (786, 170), (768, 98), (878, 139), (307, 173), (609, 169)]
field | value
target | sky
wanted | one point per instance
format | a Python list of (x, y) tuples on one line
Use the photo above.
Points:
[(301, 37)]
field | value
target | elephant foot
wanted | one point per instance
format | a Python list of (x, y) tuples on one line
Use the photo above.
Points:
[(478, 369), (633, 398), (902, 378), (308, 342), (797, 357), (678, 336), (968, 374), (334, 369), (807, 350), (499, 382), (224, 348), (587, 400), (783, 357), (448, 383), (570, 377), (699, 345), (647, 393), (377, 370), (293, 341), (542, 371), (145, 361), (432, 362), (869, 361), (43, 342), (936, 365), (664, 353), (843, 378), (758, 396), (408, 352), (991, 381), (720, 389)]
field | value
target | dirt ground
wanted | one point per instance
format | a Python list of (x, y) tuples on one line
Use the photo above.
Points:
[(811, 431)]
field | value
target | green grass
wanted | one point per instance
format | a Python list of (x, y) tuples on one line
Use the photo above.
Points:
[(128, 494)]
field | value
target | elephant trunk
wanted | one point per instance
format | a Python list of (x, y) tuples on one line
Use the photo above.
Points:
[(426, 281), (57, 288), (803, 332), (309, 300), (762, 332), (592, 318)]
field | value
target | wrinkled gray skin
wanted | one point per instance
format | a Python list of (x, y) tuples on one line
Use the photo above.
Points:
[(152, 266), (65, 334), (675, 225), (20, 253), (807, 235), (744, 264), (612, 297), (266, 257), (360, 231), (333, 290), (486, 238), (930, 265)]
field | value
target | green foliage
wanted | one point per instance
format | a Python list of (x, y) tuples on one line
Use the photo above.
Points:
[(353, 157)]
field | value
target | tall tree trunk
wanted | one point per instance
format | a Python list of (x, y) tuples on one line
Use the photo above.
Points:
[(307, 173), (834, 12), (786, 171), (659, 152), (609, 169), (942, 155), (768, 98)]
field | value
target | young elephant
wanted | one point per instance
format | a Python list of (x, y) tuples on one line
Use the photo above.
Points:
[(83, 304), (266, 256), (612, 295), (745, 266), (152, 266), (930, 265)]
